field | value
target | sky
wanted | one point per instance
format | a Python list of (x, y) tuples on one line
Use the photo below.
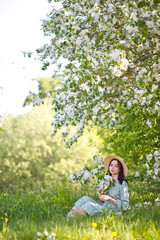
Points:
[(20, 26)]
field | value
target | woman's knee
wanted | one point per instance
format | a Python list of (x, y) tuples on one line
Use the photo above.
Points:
[(84, 197), (82, 201)]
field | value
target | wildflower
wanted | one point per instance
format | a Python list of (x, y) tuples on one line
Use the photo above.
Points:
[(114, 234), (138, 205), (46, 235), (39, 234), (6, 219), (45, 232), (94, 224), (147, 203)]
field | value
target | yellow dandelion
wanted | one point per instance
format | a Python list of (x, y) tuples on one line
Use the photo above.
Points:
[(83, 239), (6, 220), (94, 224), (114, 234)]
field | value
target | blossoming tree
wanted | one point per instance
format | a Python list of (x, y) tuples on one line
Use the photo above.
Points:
[(112, 72)]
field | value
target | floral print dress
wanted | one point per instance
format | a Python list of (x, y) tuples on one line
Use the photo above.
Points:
[(119, 192)]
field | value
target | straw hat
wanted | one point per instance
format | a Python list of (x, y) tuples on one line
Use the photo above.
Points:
[(108, 159)]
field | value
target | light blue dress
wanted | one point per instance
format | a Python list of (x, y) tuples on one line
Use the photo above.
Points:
[(119, 192)]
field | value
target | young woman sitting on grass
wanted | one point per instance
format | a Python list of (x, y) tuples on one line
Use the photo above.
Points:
[(117, 198)]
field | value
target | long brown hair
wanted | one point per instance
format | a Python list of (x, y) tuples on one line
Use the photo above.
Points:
[(121, 176)]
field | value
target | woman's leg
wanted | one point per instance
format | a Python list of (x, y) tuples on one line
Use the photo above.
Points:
[(81, 211), (88, 206), (78, 207), (73, 211)]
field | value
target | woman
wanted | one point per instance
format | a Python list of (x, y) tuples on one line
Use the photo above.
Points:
[(117, 198)]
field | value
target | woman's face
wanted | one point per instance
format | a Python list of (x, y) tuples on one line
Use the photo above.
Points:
[(114, 168)]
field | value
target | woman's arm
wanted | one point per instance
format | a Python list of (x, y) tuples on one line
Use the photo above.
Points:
[(123, 201)]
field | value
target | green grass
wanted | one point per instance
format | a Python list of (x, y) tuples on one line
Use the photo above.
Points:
[(33, 211)]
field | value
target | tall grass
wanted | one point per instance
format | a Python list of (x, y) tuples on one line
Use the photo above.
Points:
[(33, 211)]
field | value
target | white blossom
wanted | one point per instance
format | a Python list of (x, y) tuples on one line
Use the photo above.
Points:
[(84, 86), (107, 77), (37, 101), (157, 201), (134, 16), (94, 171), (72, 176), (149, 157), (97, 159), (124, 64), (115, 54), (149, 172), (154, 87), (131, 29), (53, 132), (149, 124), (156, 171), (87, 174), (129, 103), (108, 178), (137, 174), (100, 166), (157, 153)]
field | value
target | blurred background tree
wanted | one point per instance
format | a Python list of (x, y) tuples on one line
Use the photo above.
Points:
[(30, 156)]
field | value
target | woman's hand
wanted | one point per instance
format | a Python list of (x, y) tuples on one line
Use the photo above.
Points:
[(107, 198), (104, 197)]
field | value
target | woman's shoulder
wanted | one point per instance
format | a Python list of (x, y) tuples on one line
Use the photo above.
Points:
[(124, 183)]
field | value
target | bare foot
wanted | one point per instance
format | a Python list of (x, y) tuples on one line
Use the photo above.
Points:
[(71, 213), (81, 211)]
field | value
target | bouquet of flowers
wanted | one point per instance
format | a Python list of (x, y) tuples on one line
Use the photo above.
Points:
[(105, 183), (103, 180)]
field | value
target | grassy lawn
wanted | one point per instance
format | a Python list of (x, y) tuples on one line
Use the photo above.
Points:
[(26, 213)]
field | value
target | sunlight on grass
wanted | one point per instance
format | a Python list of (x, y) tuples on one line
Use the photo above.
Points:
[(44, 211)]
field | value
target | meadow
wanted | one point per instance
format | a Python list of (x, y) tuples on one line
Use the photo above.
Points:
[(41, 214), (104, 102), (36, 193)]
